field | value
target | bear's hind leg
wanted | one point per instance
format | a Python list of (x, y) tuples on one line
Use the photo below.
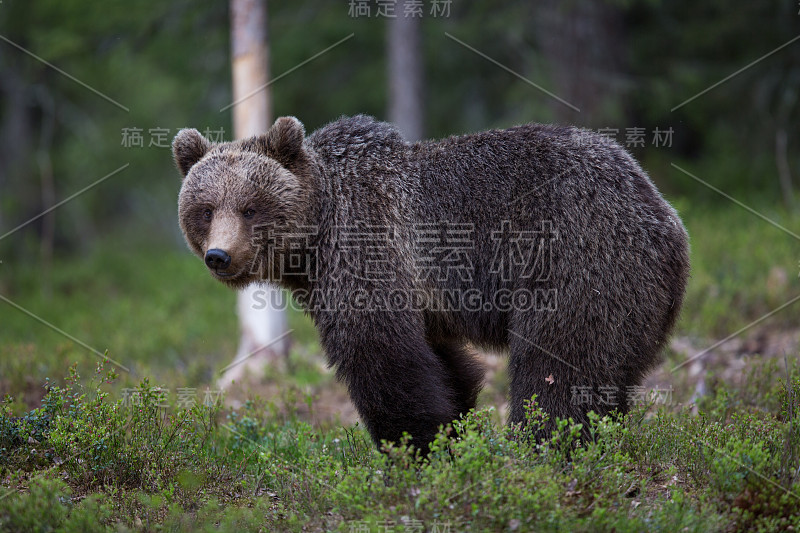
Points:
[(563, 389), (465, 372), (533, 372)]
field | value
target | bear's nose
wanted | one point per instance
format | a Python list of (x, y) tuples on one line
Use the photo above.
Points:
[(217, 259)]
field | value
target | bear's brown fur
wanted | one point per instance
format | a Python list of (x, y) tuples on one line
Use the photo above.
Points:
[(355, 211)]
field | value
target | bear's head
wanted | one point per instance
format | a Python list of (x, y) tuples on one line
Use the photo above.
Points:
[(233, 192)]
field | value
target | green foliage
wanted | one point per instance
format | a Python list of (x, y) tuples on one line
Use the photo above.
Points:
[(48, 507), (143, 467)]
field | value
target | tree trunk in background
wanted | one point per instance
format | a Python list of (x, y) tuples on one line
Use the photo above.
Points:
[(782, 162), (16, 128), (48, 196), (581, 44), (406, 109), (260, 325)]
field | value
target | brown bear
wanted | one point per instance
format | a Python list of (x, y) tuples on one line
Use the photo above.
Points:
[(548, 241)]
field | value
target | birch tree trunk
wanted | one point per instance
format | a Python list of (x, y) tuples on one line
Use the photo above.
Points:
[(261, 322)]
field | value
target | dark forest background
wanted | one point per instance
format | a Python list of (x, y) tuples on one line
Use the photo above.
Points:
[(624, 64)]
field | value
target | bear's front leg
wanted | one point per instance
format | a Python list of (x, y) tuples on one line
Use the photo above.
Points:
[(395, 380)]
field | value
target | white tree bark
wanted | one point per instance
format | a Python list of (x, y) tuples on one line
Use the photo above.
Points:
[(260, 324)]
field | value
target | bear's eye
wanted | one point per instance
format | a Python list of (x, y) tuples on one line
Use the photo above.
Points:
[(207, 214), (250, 213)]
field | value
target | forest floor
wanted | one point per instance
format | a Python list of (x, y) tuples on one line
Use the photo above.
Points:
[(155, 446)]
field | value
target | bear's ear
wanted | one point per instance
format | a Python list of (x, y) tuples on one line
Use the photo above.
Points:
[(284, 140), (188, 148)]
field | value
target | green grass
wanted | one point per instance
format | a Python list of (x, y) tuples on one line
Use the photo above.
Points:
[(77, 454), (172, 323), (83, 460), (742, 268), (151, 320)]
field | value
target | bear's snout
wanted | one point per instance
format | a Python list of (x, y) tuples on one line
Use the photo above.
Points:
[(217, 259)]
